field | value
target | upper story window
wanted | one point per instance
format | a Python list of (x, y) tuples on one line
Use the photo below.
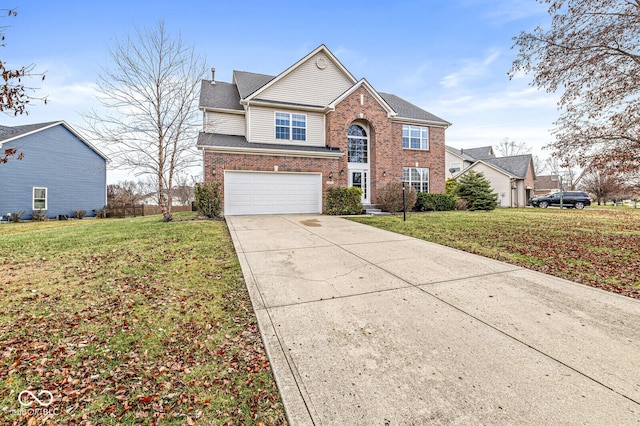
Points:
[(291, 126), (357, 144), (415, 137), (455, 167), (39, 198)]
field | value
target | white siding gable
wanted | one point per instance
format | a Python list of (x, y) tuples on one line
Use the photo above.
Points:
[(225, 124), (317, 81), (263, 127)]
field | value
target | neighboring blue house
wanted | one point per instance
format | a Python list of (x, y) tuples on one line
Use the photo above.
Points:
[(60, 171)]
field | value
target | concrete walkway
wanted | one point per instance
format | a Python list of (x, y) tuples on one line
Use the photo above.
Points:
[(367, 327)]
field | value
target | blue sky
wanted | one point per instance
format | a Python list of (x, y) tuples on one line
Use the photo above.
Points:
[(449, 57)]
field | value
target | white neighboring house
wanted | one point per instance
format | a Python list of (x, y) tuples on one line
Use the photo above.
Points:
[(512, 178)]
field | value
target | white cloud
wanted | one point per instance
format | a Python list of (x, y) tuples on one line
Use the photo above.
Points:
[(74, 94), (472, 69)]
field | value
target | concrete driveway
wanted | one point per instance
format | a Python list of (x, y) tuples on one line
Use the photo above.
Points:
[(367, 327)]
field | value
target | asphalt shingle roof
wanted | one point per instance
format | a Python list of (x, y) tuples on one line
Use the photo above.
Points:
[(249, 82), (462, 153), (219, 95), (8, 132), (228, 96), (230, 141), (406, 109), (517, 165), (481, 153)]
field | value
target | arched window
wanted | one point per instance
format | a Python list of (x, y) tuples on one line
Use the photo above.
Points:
[(358, 144)]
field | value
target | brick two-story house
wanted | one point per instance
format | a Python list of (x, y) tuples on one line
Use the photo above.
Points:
[(277, 143)]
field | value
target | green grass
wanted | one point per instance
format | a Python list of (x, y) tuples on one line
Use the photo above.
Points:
[(600, 248), (130, 321)]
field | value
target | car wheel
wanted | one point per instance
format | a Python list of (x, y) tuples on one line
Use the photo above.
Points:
[(579, 205), (543, 204)]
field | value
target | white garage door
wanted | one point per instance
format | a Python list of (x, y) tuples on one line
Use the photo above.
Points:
[(271, 193)]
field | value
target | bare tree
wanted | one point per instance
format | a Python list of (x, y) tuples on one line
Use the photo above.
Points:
[(603, 184), (14, 95), (150, 95), (509, 148), (591, 52), (148, 187), (123, 193), (183, 190)]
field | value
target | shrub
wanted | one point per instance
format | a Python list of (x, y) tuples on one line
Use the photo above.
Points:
[(16, 217), (100, 213), (39, 216), (341, 201), (79, 214), (390, 197), (208, 199), (451, 187), (476, 190), (434, 202)]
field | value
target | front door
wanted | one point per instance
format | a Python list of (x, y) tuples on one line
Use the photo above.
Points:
[(360, 179)]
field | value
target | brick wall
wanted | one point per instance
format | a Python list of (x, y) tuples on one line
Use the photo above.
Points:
[(267, 163), (386, 155)]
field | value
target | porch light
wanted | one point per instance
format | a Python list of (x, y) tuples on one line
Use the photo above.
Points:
[(384, 173), (330, 175), (213, 171), (341, 172)]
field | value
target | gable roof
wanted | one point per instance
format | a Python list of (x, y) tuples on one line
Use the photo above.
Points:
[(322, 48), (219, 95), (8, 133), (247, 85), (249, 82), (460, 153), (481, 153), (517, 165), (374, 93), (487, 164), (405, 109), (11, 133)]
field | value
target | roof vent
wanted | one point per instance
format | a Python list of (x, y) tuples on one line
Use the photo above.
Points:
[(213, 76)]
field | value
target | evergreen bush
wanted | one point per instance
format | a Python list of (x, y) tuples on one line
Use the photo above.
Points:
[(208, 199), (475, 189), (342, 201), (434, 202)]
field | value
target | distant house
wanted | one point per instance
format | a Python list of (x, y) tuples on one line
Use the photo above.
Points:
[(60, 171), (512, 178), (546, 184), (278, 143)]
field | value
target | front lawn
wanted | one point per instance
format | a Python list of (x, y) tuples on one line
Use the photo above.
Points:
[(129, 321), (600, 248)]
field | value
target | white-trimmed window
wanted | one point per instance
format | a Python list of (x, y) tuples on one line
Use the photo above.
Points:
[(455, 167), (357, 144), (415, 137), (418, 177), (39, 198), (291, 126)]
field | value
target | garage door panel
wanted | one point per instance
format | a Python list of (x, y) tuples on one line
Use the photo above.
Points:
[(272, 193)]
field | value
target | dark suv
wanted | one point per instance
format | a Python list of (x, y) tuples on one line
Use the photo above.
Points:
[(570, 199)]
